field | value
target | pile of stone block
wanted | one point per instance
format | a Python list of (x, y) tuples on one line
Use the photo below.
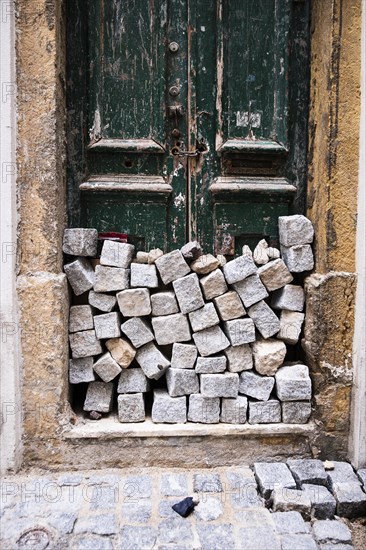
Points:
[(208, 336)]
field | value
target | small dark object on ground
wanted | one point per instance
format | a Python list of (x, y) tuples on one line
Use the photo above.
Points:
[(184, 507), (94, 415)]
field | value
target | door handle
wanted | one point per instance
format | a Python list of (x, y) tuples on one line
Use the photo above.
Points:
[(179, 153)]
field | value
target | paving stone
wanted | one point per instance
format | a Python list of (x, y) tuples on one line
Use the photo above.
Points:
[(134, 302), (165, 508), (166, 409), (144, 275), (362, 476), (135, 537), (153, 255), (300, 542), (238, 269), (204, 317), (229, 306), (290, 297), (99, 397), (84, 344), (239, 358), (341, 473), (293, 383), (285, 500), (298, 258), (81, 370), (290, 326), (80, 242), (207, 483), (102, 524), (307, 470), (138, 331), (107, 325), (260, 254), (323, 504), (170, 329), (219, 385), (205, 264), (339, 546), (211, 365), (295, 229), (80, 275), (191, 250), (251, 290), (240, 331), (131, 407), (264, 412), (275, 275), (265, 320), (115, 254), (351, 500), (213, 284), (218, 537), (182, 382), (259, 531), (331, 531), (137, 512), (172, 266), (103, 302), (111, 279), (183, 356), (290, 523), (63, 523), (152, 361), (209, 509), (175, 531), (103, 497), (268, 356), (121, 351), (243, 489), (296, 412), (90, 542), (234, 411), (272, 475), (255, 385), (205, 410), (210, 341), (164, 303), (174, 485), (188, 293), (107, 368), (81, 318), (133, 380), (137, 487), (141, 258)]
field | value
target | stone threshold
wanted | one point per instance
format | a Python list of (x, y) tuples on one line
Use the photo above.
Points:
[(111, 428)]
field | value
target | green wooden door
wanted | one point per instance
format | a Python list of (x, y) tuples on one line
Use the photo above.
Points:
[(187, 119)]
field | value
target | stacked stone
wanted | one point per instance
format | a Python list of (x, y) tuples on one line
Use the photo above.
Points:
[(227, 324)]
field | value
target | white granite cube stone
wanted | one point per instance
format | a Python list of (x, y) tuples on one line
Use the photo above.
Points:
[(138, 331), (152, 361), (293, 383), (170, 329), (80, 275), (121, 351), (254, 385), (144, 275), (220, 385), (275, 275), (107, 368), (234, 411), (191, 250), (205, 317), (81, 370), (103, 302), (268, 356), (298, 258), (188, 293), (296, 412), (251, 290), (213, 284), (240, 331), (204, 410), (183, 356), (111, 279), (229, 306), (115, 254), (265, 320), (131, 407), (239, 358), (290, 297), (238, 269), (264, 412), (107, 325), (211, 365), (182, 382), (172, 266), (134, 302), (133, 380), (170, 410), (84, 344), (296, 229), (290, 326), (99, 397), (80, 318), (210, 341), (163, 303), (205, 264), (80, 242)]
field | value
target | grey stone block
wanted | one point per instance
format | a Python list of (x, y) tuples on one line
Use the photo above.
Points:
[(133, 380), (265, 320), (229, 306), (182, 382), (293, 383), (107, 368), (144, 275), (174, 485), (238, 269), (296, 412), (92, 542), (138, 331), (169, 329), (323, 504), (84, 344), (205, 264), (239, 358), (243, 489), (285, 500), (295, 229), (259, 531), (99, 397), (103, 302), (176, 533), (290, 297), (133, 537), (207, 483), (80, 275), (172, 266), (210, 341), (81, 318), (137, 487), (332, 531), (80, 242), (290, 523), (298, 258), (152, 361), (234, 411), (341, 473), (255, 385), (103, 524), (81, 370), (116, 254), (275, 274), (111, 279), (203, 318), (239, 331), (137, 512), (205, 410), (153, 255), (211, 365), (121, 351), (164, 303), (134, 302), (188, 293), (131, 407), (362, 476), (273, 475), (213, 284), (219, 385), (290, 326), (183, 356), (351, 500), (264, 412), (209, 509), (219, 537), (191, 250), (300, 542), (166, 409), (268, 356), (251, 290), (107, 325), (307, 470)]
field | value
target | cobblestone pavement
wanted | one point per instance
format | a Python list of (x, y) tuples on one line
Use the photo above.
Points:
[(132, 509)]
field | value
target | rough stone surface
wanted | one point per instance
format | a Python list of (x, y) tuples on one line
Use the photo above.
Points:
[(133, 380), (240, 331), (138, 331), (109, 279), (99, 397), (152, 361), (220, 537), (209, 509), (168, 409), (219, 385), (239, 358), (296, 412), (362, 476), (182, 382), (221, 259), (264, 412), (121, 351), (265, 320), (296, 229), (210, 341), (308, 471), (103, 302), (238, 269), (205, 410), (323, 504), (80, 275), (106, 367), (131, 407), (84, 344), (176, 533), (213, 284), (298, 258), (172, 266), (290, 523), (290, 326), (133, 537), (107, 325), (285, 500), (260, 253), (191, 251), (290, 297), (207, 483), (115, 254), (258, 532), (205, 264), (81, 370), (268, 356), (334, 532), (229, 306), (270, 476), (174, 485), (300, 542), (183, 356), (211, 365), (188, 293), (163, 303), (275, 275), (234, 411), (80, 242), (273, 253), (134, 302), (141, 257), (254, 385), (153, 255), (204, 317), (293, 383), (144, 275), (170, 329), (342, 472), (351, 500), (251, 290), (81, 318)]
